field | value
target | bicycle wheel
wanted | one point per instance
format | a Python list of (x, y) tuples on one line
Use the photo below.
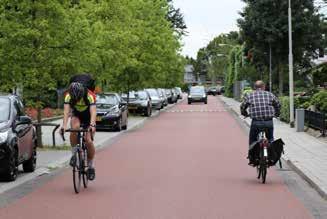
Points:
[(84, 168), (77, 172)]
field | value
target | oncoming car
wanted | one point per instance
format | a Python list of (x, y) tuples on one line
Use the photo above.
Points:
[(197, 94)]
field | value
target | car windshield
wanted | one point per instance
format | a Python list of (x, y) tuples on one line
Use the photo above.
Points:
[(142, 95), (132, 95), (107, 100), (4, 109), (153, 92), (197, 90)]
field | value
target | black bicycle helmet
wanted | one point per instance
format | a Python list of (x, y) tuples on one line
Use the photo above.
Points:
[(76, 91)]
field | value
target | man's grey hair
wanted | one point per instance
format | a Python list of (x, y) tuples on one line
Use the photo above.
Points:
[(259, 85)]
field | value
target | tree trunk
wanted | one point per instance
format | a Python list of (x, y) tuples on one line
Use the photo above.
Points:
[(39, 128)]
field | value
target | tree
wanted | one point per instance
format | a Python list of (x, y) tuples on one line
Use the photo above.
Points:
[(264, 25), (176, 18)]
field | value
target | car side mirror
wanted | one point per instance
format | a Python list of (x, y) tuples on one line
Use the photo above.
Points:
[(23, 120), (122, 104)]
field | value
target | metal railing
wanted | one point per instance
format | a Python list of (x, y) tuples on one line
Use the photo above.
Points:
[(56, 126), (316, 120)]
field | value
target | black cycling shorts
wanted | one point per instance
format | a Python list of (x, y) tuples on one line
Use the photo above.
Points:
[(84, 117)]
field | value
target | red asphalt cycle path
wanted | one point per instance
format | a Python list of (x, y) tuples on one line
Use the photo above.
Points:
[(187, 163)]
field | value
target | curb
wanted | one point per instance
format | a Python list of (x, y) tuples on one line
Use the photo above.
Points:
[(321, 192), (291, 164)]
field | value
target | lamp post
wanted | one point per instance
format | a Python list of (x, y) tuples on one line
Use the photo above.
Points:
[(270, 69), (291, 82)]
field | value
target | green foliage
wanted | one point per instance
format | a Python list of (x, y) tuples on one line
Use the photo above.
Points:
[(285, 109), (234, 69), (264, 24), (319, 100), (246, 91), (212, 60), (319, 74), (123, 44)]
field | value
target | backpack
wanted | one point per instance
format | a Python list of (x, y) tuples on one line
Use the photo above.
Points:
[(84, 79)]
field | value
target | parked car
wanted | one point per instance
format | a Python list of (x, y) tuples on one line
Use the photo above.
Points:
[(212, 91), (155, 99), (139, 102), (179, 92), (174, 96), (112, 112), (163, 96), (222, 90), (169, 95), (197, 94), (17, 138)]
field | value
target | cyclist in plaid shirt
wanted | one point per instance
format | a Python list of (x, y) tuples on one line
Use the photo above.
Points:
[(263, 107)]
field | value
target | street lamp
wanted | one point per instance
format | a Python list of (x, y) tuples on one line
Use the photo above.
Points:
[(291, 82)]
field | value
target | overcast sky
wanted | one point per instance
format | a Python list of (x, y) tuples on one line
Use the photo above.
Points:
[(206, 19)]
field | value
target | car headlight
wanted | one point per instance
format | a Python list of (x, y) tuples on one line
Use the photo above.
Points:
[(3, 137), (189, 96), (114, 112), (204, 96), (144, 103)]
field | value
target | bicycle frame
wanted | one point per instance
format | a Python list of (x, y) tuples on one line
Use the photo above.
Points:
[(80, 167), (263, 163)]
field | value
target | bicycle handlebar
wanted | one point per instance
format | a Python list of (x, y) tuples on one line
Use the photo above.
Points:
[(75, 131)]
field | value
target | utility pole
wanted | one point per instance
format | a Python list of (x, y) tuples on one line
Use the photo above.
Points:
[(291, 79), (270, 69)]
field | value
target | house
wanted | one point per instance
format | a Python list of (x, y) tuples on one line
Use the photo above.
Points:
[(189, 75)]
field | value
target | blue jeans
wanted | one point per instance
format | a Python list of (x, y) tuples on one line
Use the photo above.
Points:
[(258, 126)]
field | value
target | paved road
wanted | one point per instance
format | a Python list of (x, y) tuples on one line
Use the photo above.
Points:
[(187, 163)]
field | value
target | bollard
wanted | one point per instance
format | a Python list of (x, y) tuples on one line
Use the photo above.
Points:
[(299, 121)]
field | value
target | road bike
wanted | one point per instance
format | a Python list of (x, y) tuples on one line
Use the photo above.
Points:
[(80, 164)]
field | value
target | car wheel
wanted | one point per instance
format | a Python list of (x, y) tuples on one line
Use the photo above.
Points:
[(148, 112), (206, 102), (30, 165), (125, 126), (11, 173), (189, 102), (119, 124)]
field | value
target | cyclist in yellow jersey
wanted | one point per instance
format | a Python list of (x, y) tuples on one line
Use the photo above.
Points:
[(81, 103)]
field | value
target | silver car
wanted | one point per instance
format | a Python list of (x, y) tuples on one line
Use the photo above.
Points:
[(155, 98)]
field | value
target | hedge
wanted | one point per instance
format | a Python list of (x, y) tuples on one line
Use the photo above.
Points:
[(319, 100), (285, 110)]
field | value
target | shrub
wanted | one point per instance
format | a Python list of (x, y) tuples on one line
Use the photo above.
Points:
[(319, 100), (285, 110), (246, 91)]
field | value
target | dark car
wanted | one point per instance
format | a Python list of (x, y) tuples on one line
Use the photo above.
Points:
[(212, 91), (139, 102), (222, 90), (155, 99), (179, 92), (17, 138), (112, 112), (169, 95), (197, 94), (174, 97), (163, 96)]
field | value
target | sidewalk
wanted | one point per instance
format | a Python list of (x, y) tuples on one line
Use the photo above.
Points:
[(305, 153)]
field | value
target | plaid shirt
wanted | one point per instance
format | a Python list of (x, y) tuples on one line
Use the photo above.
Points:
[(262, 105)]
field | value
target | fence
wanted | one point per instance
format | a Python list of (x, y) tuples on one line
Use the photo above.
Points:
[(316, 120)]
